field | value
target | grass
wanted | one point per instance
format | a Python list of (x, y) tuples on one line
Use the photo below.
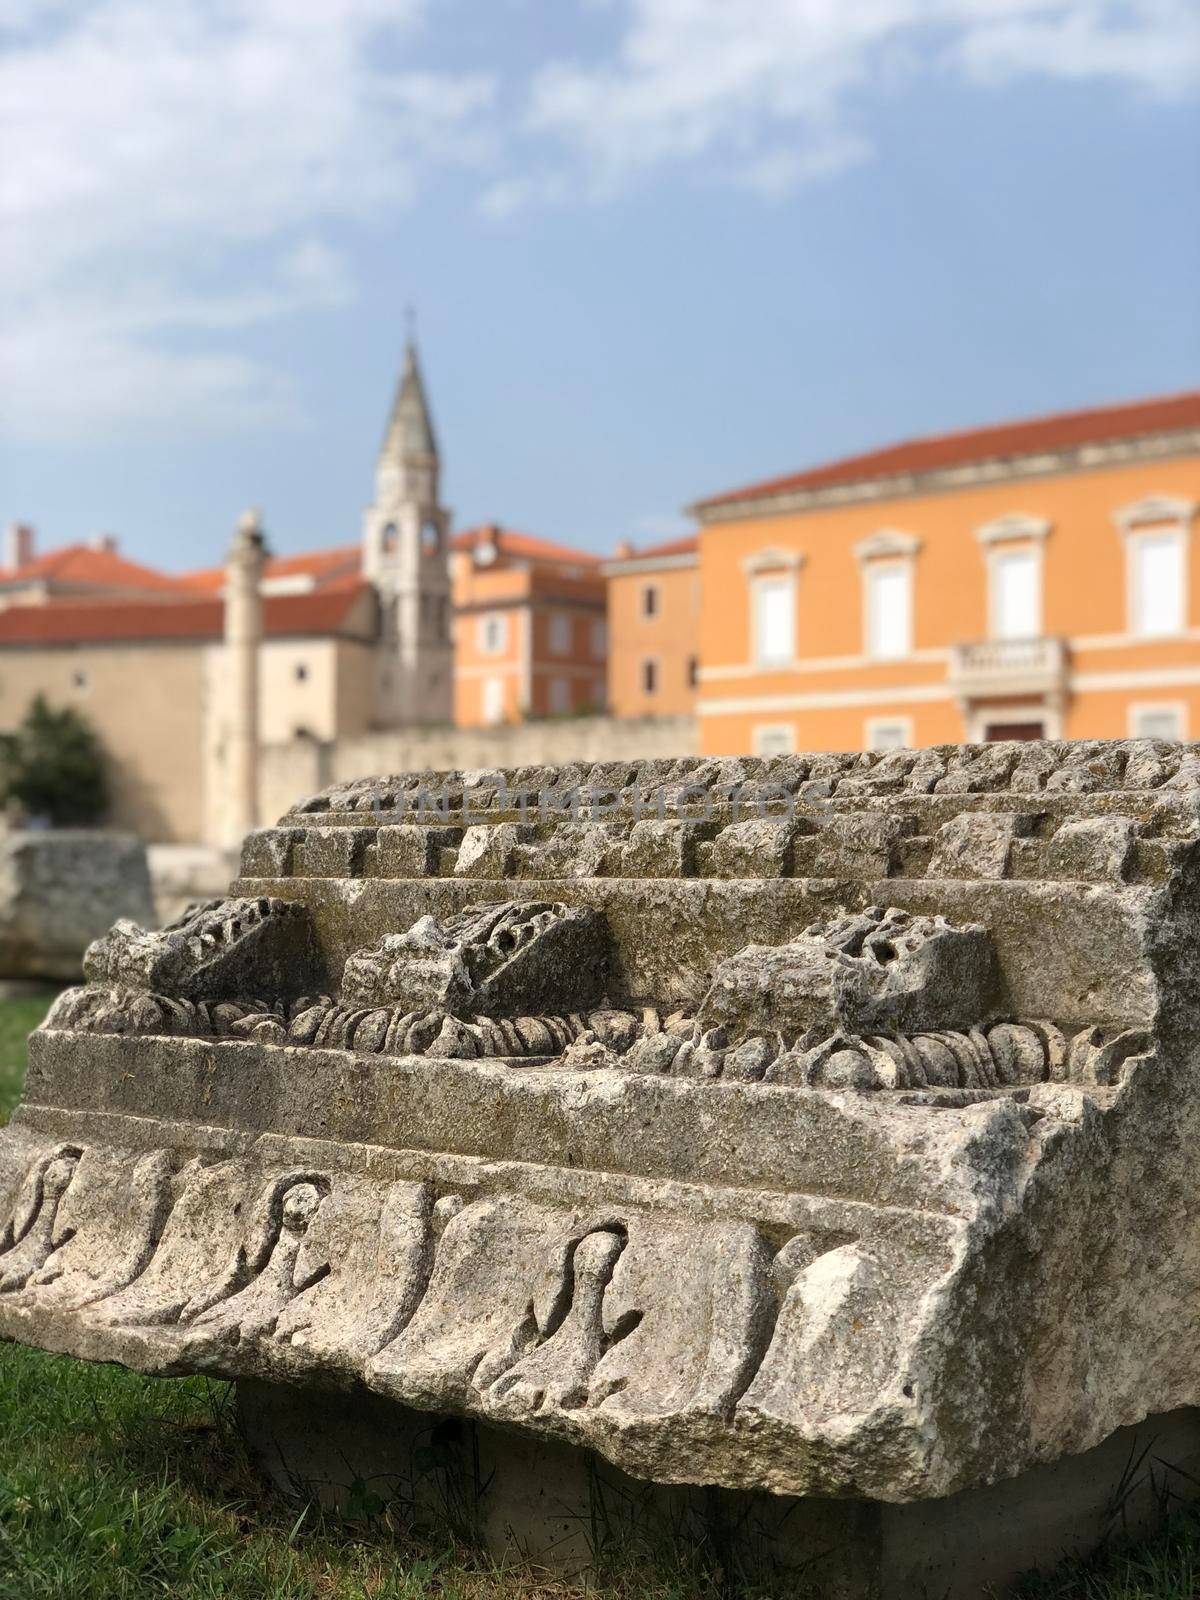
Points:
[(118, 1487)]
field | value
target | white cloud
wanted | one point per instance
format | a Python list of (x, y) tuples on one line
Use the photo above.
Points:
[(508, 196), (173, 170), (1154, 45), (170, 165), (767, 93)]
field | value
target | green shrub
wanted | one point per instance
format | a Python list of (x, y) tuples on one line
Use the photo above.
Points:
[(53, 766)]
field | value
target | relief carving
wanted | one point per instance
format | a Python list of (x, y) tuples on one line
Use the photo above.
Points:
[(31, 1234), (216, 950), (653, 1172)]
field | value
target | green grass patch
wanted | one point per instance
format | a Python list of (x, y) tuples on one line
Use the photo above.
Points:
[(18, 1018), (119, 1487)]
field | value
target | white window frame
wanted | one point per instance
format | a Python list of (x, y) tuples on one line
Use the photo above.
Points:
[(599, 640), (775, 580), (1154, 515), (492, 690), (559, 690), (1135, 540), (887, 548), (1143, 708), (558, 635), (873, 726), (1003, 537), (870, 572), (766, 734), (996, 556), (773, 565), (499, 621)]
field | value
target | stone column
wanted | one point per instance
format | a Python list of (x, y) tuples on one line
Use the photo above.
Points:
[(243, 636)]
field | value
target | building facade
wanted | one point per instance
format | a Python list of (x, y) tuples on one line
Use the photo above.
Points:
[(1035, 579), (530, 628), (654, 629), (186, 677)]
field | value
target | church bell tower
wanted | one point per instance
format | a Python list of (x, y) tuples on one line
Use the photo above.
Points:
[(405, 533)]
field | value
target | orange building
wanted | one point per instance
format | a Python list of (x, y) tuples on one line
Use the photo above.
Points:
[(530, 631), (1038, 578), (653, 626)]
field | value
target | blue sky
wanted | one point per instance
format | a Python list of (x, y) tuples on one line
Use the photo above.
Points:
[(657, 247)]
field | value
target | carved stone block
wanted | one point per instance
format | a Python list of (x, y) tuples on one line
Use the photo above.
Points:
[(498, 959), (216, 950), (677, 1147), (872, 972)]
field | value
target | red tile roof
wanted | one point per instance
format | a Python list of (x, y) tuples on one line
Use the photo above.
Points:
[(322, 565), (525, 545), (1063, 431), (686, 546), (131, 621), (83, 564)]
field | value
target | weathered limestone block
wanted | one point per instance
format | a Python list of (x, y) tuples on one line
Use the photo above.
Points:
[(410, 850), (754, 1159), (976, 845), (216, 950), (1093, 849), (491, 851), (862, 846), (504, 958), (873, 971), (656, 849), (759, 847), (62, 888)]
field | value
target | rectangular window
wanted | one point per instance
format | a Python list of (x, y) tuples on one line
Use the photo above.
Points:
[(1016, 594), (889, 611), (560, 696), (599, 640), (888, 733), (693, 672), (774, 739), (649, 676), (1157, 577), (1156, 722), (649, 600), (560, 634), (493, 635), (493, 699), (774, 621)]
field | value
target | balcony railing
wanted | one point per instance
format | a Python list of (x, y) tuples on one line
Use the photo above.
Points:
[(987, 667)]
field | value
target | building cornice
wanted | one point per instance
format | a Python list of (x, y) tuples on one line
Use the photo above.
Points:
[(1045, 464), (620, 569), (1013, 527), (1152, 509), (772, 559), (887, 543)]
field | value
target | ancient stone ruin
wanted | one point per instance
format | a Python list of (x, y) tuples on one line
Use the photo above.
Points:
[(816, 1128), (59, 889)]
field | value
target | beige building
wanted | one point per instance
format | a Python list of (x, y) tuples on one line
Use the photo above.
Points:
[(152, 679), (654, 626), (343, 641)]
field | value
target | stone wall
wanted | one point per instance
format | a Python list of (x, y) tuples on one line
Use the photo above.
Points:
[(148, 703), (303, 766)]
